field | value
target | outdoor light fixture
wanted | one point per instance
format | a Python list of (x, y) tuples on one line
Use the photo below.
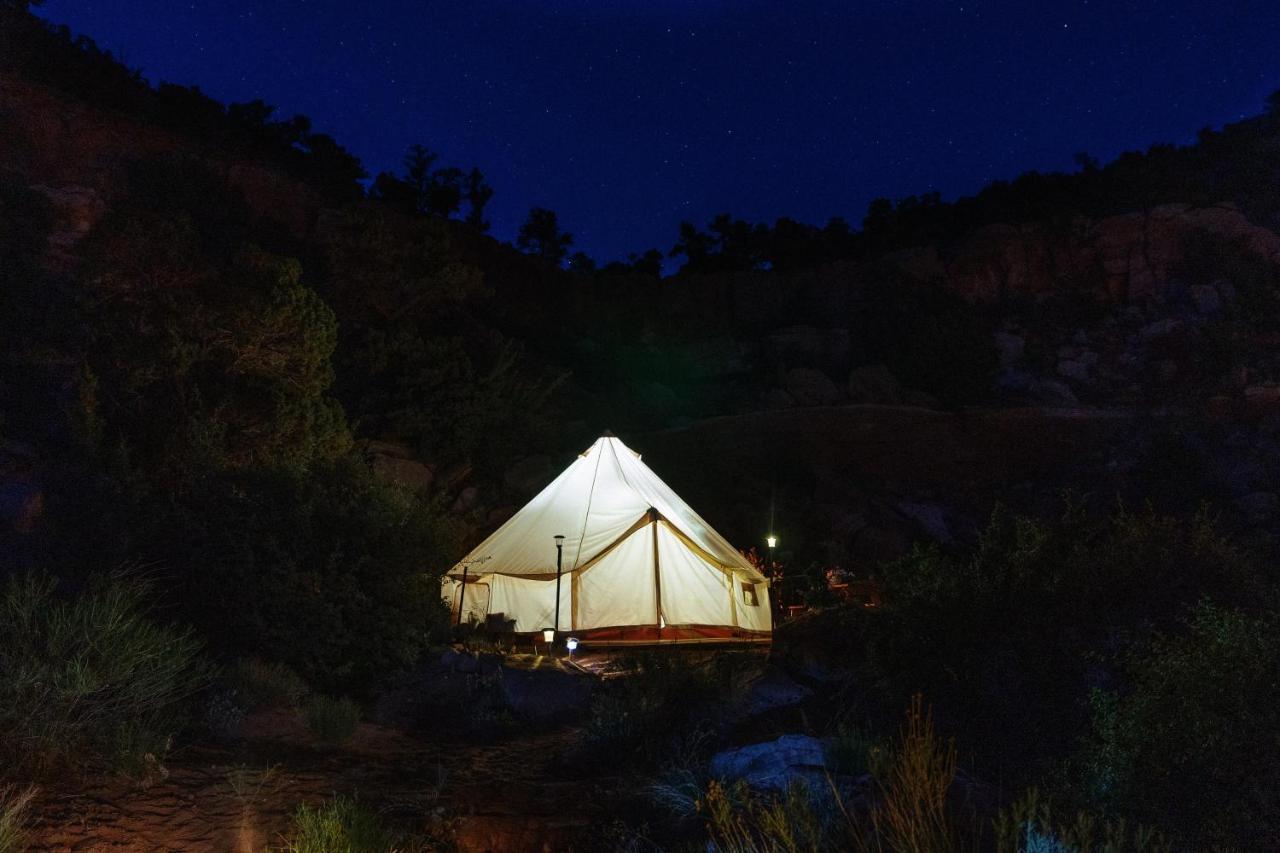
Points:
[(771, 540), (548, 635), (571, 644)]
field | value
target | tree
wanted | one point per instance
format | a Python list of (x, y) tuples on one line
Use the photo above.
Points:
[(540, 236), (477, 194)]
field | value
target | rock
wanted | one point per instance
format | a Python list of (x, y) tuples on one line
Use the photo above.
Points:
[(467, 499), (529, 474), (1010, 347), (545, 695), (919, 399), (21, 505), (1074, 369), (1160, 328), (395, 462), (778, 399), (1259, 507), (1206, 299), (807, 346), (774, 765), (1048, 391), (810, 387), (874, 383), (771, 690)]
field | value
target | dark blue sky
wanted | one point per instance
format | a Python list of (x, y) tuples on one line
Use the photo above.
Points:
[(626, 116)]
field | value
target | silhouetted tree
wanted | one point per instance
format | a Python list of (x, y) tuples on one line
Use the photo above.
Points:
[(477, 193), (582, 262), (540, 235)]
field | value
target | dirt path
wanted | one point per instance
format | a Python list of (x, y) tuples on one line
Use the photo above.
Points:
[(507, 796)]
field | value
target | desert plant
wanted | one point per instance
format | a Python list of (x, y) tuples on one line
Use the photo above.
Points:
[(332, 721), (266, 684), (912, 813), (90, 678), (15, 804), (341, 825), (1030, 826)]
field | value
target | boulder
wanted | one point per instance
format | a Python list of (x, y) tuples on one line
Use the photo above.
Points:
[(529, 474), (771, 690), (395, 462), (774, 765), (807, 346), (874, 383), (1010, 347), (811, 387), (21, 505), (1206, 299), (1075, 369), (1160, 328)]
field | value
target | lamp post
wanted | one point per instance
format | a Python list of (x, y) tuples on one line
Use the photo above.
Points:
[(559, 558)]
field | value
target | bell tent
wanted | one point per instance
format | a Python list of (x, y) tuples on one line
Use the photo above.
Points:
[(638, 564)]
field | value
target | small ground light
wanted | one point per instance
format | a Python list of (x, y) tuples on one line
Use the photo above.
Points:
[(571, 644), (548, 635), (771, 541)]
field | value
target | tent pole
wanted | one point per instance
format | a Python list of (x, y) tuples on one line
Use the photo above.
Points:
[(462, 593), (657, 575)]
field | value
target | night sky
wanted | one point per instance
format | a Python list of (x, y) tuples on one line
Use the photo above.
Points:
[(627, 116)]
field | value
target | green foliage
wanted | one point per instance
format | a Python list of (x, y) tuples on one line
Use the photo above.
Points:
[(664, 709), (203, 349), (332, 721), (329, 569), (15, 806), (265, 684), (1030, 826), (412, 360), (90, 679), (1007, 638), (340, 825), (1190, 744)]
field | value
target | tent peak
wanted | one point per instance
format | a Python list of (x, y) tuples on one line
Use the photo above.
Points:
[(608, 434)]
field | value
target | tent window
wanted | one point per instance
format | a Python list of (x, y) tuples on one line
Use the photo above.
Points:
[(750, 596)]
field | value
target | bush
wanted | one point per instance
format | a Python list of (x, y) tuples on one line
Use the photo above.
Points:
[(664, 709), (1191, 744), (264, 684), (14, 805), (90, 678), (327, 568), (332, 721), (339, 826)]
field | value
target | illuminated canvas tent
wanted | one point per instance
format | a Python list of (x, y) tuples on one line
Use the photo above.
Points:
[(639, 565)]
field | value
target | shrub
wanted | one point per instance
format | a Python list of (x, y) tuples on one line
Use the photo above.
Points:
[(339, 826), (15, 803), (90, 678), (324, 567), (661, 710), (264, 684), (332, 721), (1190, 745), (1029, 826)]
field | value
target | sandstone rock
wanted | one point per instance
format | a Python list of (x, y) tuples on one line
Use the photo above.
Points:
[(874, 383), (771, 690), (467, 499), (810, 387), (776, 398), (21, 505), (529, 474), (1259, 507), (807, 346), (1074, 369), (1010, 347), (1206, 299), (1048, 391), (1160, 328)]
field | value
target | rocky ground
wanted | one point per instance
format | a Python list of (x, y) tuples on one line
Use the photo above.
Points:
[(506, 793)]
